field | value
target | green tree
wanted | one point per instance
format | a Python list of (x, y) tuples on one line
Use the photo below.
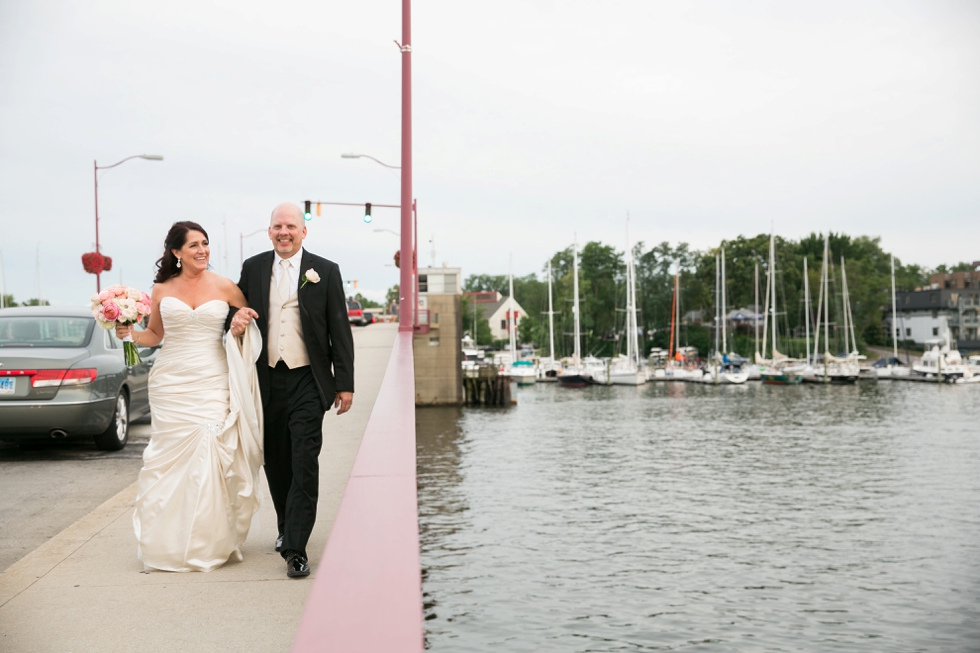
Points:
[(365, 302)]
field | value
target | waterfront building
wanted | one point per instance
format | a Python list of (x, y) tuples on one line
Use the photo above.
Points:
[(933, 312), (438, 339), (495, 313)]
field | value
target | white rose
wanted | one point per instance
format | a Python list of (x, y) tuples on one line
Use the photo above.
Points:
[(312, 276), (134, 294)]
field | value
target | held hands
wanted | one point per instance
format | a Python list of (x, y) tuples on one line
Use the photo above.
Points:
[(124, 330), (343, 401), (239, 321)]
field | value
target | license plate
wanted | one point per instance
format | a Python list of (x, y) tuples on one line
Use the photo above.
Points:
[(7, 386)]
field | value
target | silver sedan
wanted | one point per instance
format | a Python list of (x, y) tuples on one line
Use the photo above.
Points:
[(61, 375)]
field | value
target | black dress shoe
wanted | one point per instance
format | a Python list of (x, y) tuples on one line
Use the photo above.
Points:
[(279, 543), (297, 566)]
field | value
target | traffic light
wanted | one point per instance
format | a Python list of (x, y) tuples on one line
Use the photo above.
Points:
[(367, 213), (306, 214), (318, 210)]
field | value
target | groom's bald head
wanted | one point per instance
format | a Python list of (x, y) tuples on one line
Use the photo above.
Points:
[(287, 229)]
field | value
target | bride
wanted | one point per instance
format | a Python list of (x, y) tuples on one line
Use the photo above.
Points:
[(198, 488)]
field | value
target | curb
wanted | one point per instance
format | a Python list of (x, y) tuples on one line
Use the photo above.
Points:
[(36, 564)]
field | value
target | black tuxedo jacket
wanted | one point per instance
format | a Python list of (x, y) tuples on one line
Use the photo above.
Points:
[(323, 315)]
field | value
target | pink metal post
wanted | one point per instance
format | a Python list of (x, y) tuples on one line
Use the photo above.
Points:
[(95, 168), (408, 301)]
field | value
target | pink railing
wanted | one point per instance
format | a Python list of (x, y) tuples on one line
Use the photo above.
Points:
[(367, 596)]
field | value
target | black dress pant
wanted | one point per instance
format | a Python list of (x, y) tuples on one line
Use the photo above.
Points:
[(293, 438)]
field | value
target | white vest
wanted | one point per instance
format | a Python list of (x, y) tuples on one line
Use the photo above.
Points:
[(285, 329)]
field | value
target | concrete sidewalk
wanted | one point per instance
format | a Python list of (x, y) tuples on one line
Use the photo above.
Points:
[(84, 590)]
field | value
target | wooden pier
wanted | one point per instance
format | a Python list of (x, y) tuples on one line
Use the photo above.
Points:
[(485, 386)]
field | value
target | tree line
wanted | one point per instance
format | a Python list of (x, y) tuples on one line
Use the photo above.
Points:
[(602, 291)]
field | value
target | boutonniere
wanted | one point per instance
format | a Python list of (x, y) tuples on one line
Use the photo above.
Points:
[(310, 277)]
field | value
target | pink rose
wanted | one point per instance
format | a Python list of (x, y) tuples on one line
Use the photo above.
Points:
[(142, 309), (120, 291), (106, 295), (110, 311), (145, 299)]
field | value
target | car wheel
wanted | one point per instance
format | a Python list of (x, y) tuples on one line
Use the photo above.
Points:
[(116, 436)]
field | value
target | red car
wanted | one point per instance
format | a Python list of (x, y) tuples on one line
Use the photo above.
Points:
[(355, 314)]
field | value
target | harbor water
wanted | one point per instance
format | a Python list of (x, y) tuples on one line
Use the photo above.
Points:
[(681, 516)]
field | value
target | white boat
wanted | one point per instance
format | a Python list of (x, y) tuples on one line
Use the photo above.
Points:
[(549, 368), (724, 368), (625, 370), (521, 371), (779, 369), (944, 363), (828, 368), (973, 362), (575, 374), (891, 367)]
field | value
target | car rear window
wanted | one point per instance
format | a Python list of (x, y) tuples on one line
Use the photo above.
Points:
[(353, 305), (45, 331)]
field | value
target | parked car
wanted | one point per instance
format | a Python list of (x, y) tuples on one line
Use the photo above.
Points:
[(62, 376), (355, 314), (368, 317)]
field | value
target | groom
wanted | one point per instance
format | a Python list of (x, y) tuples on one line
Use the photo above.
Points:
[(306, 365)]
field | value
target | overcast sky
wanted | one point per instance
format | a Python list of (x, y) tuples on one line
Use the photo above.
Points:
[(533, 120)]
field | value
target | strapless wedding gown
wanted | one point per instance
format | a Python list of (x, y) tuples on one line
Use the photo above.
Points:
[(199, 486)]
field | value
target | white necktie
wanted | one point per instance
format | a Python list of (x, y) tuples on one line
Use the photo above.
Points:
[(284, 286)]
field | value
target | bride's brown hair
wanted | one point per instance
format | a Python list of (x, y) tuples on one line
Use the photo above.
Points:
[(167, 264)]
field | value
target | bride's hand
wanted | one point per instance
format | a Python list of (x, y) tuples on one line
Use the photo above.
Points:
[(124, 330)]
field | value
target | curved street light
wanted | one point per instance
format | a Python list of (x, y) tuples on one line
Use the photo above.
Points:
[(391, 231), (95, 173), (368, 156)]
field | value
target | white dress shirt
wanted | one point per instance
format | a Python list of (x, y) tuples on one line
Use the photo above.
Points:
[(293, 269)]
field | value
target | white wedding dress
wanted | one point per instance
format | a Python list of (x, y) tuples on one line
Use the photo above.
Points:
[(199, 486)]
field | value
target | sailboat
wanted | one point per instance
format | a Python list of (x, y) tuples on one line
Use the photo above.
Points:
[(725, 365), (519, 370), (549, 368), (575, 375), (674, 367), (780, 369), (626, 371), (833, 369), (892, 367)]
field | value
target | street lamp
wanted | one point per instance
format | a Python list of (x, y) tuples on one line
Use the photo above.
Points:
[(406, 221), (377, 231), (98, 259), (350, 155)]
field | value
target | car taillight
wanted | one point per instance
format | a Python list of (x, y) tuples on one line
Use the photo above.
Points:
[(57, 378), (80, 376), (48, 378)]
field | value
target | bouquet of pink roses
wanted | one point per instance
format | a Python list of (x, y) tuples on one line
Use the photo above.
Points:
[(121, 305)]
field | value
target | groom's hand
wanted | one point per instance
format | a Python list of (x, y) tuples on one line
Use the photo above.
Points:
[(239, 322), (343, 401)]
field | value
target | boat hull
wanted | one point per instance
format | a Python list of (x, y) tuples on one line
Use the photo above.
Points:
[(790, 378), (574, 380)]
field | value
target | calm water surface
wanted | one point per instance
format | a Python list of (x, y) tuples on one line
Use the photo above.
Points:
[(750, 518)]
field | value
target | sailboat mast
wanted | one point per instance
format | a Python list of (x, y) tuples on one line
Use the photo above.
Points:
[(755, 309), (575, 306), (894, 319), (551, 317), (816, 327), (717, 302), (772, 279), (806, 306), (847, 308), (826, 303), (724, 306), (673, 315), (511, 318), (677, 296), (635, 338)]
